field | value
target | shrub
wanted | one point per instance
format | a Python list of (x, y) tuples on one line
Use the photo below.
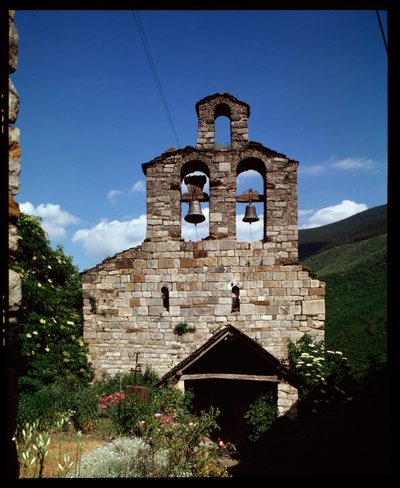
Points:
[(71, 401), (166, 426), (261, 415), (325, 372), (110, 384), (317, 365), (50, 317), (126, 457), (38, 408), (183, 328)]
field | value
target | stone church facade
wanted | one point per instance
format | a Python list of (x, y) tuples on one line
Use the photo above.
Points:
[(136, 302)]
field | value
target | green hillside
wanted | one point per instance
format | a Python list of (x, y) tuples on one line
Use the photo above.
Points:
[(364, 225), (356, 299)]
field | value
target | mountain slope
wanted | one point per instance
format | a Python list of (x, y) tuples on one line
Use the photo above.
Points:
[(356, 300), (364, 225)]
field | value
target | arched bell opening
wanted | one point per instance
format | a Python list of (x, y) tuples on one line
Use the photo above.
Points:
[(250, 201), (222, 127), (195, 201)]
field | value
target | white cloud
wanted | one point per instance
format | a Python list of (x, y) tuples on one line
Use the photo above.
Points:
[(354, 163), (313, 169), (113, 194), (138, 187), (346, 164), (303, 216), (54, 219), (304, 213), (334, 213), (108, 238)]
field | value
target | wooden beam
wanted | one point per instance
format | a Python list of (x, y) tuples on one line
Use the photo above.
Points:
[(229, 376), (245, 197), (201, 197)]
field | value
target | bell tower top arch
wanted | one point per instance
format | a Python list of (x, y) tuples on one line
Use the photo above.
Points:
[(213, 106)]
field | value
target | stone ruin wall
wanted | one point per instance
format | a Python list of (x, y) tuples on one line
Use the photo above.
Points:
[(14, 151), (279, 300), (14, 282)]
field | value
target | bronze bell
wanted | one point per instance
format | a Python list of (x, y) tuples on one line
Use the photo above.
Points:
[(250, 214), (194, 215)]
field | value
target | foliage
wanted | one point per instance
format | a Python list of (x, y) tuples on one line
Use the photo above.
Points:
[(36, 450), (315, 364), (183, 328), (126, 411), (172, 440), (356, 301), (261, 415), (32, 447), (168, 429), (74, 401), (109, 384), (124, 457), (50, 331)]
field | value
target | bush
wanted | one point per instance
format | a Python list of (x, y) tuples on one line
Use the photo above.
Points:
[(50, 317), (317, 365), (165, 424), (325, 372), (261, 415), (38, 408), (110, 384), (126, 457), (71, 401)]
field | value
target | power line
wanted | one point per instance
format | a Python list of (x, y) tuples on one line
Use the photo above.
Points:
[(154, 71), (382, 32)]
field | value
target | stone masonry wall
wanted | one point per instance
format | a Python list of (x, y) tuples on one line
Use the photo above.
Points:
[(211, 107), (163, 195), (288, 397), (14, 151), (124, 311)]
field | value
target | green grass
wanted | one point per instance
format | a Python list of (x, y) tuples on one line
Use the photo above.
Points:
[(356, 300)]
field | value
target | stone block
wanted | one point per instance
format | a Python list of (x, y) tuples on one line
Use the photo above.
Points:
[(215, 217), (313, 307)]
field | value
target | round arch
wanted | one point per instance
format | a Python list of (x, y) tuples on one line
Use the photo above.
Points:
[(189, 168), (259, 202)]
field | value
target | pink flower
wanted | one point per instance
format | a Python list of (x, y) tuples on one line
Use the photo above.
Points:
[(221, 444), (157, 415), (166, 420)]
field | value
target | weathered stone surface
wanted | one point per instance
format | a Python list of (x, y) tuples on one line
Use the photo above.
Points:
[(15, 292), (13, 209), (13, 102), (313, 307), (14, 160), (14, 156), (12, 47), (13, 240)]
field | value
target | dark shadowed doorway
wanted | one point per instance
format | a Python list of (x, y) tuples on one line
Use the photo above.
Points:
[(232, 398)]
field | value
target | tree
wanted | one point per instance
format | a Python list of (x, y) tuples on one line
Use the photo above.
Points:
[(51, 321)]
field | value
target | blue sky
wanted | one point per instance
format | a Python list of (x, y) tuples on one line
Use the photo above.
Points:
[(91, 113)]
